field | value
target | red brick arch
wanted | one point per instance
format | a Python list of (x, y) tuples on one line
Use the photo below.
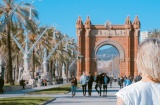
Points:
[(124, 37), (113, 43)]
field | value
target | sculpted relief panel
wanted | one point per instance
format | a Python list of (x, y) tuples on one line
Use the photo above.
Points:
[(108, 32)]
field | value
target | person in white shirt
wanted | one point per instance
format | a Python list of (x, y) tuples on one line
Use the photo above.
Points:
[(83, 82), (147, 90)]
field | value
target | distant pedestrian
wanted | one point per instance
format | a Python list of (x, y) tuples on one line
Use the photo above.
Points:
[(1, 85), (83, 82), (128, 81), (44, 82), (124, 80), (106, 80), (120, 81), (90, 80), (138, 78), (73, 85), (111, 81), (22, 83)]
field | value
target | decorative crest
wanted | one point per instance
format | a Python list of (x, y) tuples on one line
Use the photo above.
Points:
[(108, 25)]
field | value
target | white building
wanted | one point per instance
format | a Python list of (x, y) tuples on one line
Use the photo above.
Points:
[(144, 35)]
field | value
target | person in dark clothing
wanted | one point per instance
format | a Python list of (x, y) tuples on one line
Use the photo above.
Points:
[(90, 82), (96, 86), (106, 80), (22, 83), (120, 81), (1, 85), (138, 78), (99, 81)]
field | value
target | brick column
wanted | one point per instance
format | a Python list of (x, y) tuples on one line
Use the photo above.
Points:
[(87, 51), (136, 39), (79, 63), (127, 57)]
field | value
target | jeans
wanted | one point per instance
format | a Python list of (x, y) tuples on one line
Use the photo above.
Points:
[(89, 89), (84, 89), (73, 89), (104, 89)]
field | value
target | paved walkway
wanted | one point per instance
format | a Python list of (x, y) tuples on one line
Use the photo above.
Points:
[(22, 93), (95, 99), (66, 99)]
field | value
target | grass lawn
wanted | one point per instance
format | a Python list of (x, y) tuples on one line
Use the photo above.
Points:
[(23, 100), (57, 90), (7, 84)]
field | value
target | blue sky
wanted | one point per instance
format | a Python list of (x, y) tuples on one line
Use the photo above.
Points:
[(64, 13)]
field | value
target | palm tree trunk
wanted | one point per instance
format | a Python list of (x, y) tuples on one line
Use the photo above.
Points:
[(51, 70), (67, 72), (33, 64), (17, 67), (9, 58)]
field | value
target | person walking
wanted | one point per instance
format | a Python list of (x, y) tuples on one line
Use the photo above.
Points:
[(90, 82), (83, 82), (95, 80), (22, 83), (1, 85), (147, 90), (128, 81), (138, 78), (106, 80), (99, 81), (120, 81), (73, 85), (111, 81)]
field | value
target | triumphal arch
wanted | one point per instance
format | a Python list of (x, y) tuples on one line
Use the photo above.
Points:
[(124, 37)]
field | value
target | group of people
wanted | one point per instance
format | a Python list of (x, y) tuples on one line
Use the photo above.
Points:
[(86, 80), (145, 90), (125, 81)]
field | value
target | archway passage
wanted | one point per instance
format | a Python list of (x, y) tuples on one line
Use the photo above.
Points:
[(108, 60), (124, 37)]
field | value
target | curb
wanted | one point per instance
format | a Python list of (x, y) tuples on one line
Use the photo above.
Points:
[(49, 101)]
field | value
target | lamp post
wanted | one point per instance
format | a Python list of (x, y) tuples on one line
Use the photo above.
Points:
[(26, 53), (46, 58), (112, 64)]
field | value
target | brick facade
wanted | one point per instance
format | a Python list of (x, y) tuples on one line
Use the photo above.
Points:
[(123, 37)]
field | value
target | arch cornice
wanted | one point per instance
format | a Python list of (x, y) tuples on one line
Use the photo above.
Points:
[(113, 43)]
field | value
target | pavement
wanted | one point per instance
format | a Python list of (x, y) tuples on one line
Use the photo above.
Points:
[(95, 99), (67, 99)]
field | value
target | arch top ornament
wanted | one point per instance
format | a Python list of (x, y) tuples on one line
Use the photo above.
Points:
[(79, 23), (113, 43)]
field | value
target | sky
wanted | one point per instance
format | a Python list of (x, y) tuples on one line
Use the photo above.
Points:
[(63, 13)]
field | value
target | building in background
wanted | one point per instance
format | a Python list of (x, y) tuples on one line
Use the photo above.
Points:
[(144, 35)]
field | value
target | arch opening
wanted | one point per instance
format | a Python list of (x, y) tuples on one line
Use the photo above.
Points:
[(108, 60)]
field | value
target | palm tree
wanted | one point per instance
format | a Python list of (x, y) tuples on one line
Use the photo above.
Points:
[(154, 33), (46, 41), (20, 17)]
